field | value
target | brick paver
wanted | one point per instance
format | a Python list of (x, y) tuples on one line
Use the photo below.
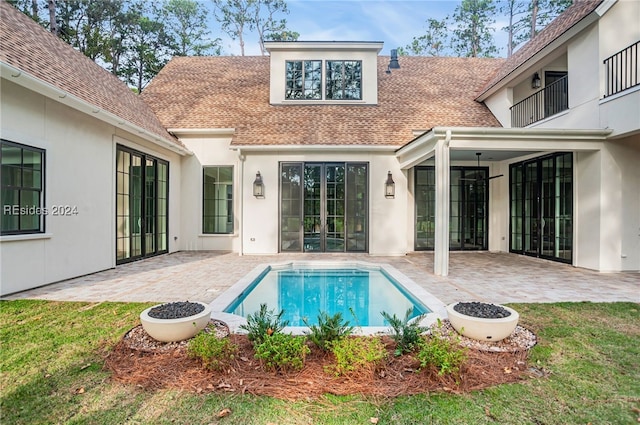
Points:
[(479, 276)]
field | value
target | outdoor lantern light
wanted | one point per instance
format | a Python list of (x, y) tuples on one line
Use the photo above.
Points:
[(258, 186), (390, 187), (535, 81)]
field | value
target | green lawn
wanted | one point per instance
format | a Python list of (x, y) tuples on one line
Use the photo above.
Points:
[(52, 372)]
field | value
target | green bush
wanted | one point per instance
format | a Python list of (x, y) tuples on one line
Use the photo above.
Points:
[(263, 323), (442, 351), (213, 351), (282, 352), (357, 354), (329, 328), (406, 335)]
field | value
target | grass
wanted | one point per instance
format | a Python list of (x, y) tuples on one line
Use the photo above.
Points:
[(51, 372)]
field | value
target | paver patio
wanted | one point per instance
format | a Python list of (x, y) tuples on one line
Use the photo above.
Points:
[(478, 276)]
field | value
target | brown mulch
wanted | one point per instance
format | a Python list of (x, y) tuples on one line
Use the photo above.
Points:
[(171, 367)]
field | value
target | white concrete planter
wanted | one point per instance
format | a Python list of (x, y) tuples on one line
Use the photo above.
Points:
[(483, 329), (170, 330)]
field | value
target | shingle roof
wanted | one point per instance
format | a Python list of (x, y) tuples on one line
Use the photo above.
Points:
[(30, 48), (574, 14), (233, 92)]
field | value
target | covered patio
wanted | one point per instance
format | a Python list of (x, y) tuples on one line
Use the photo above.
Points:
[(502, 146)]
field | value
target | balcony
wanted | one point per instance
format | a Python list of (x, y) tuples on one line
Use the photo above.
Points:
[(544, 103), (621, 70)]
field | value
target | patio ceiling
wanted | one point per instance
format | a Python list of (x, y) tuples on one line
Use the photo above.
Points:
[(497, 144)]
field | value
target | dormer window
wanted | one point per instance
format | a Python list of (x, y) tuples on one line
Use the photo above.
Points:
[(303, 80), (323, 72), (344, 80)]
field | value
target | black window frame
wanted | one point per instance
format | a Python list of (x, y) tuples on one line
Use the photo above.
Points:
[(229, 199), (40, 209), (305, 79), (344, 79)]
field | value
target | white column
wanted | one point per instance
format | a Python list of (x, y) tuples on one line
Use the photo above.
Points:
[(441, 249)]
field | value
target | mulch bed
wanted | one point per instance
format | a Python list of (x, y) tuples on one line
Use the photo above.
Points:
[(155, 366)]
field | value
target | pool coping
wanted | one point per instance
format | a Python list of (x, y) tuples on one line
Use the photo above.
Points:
[(218, 305)]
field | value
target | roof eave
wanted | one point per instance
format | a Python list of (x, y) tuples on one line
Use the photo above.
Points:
[(24, 79), (527, 66)]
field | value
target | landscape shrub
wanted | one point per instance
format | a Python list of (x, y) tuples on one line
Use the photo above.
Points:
[(356, 354), (406, 335), (282, 352), (442, 351), (263, 323), (214, 352), (328, 329)]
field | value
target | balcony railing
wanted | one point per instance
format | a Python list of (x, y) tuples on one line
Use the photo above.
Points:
[(622, 70), (544, 103)]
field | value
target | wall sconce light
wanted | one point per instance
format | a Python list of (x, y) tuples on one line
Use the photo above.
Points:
[(535, 81), (389, 187), (258, 186)]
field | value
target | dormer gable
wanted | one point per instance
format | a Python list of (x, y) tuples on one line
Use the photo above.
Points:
[(323, 72)]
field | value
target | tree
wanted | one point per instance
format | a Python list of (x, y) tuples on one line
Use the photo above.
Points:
[(235, 16), (472, 35), (186, 27), (264, 20), (433, 43), (238, 16), (148, 49), (283, 36), (527, 18)]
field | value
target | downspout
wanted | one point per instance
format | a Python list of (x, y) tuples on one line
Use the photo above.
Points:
[(241, 157)]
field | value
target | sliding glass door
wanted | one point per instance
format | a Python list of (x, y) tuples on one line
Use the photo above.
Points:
[(142, 192), (323, 207), (541, 196)]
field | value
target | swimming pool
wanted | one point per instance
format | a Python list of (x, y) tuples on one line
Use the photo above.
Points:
[(359, 291)]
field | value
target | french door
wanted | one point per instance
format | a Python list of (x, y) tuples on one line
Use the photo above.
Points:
[(142, 192), (323, 207), (468, 218), (541, 196)]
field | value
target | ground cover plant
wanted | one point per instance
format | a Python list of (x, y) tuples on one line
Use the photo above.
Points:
[(584, 369)]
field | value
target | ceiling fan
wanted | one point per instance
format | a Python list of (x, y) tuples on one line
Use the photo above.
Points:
[(481, 179)]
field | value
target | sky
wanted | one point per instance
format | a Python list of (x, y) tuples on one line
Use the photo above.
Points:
[(394, 22)]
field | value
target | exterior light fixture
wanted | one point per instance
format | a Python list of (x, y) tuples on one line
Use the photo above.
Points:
[(258, 186), (389, 187), (393, 62), (535, 81)]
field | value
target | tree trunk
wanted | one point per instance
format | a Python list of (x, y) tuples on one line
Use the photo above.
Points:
[(34, 10), (534, 17), (53, 25)]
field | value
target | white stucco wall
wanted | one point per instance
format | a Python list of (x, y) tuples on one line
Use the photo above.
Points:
[(79, 172), (208, 151), (365, 52), (387, 223)]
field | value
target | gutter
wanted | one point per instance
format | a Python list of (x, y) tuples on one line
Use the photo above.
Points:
[(297, 148), (11, 73)]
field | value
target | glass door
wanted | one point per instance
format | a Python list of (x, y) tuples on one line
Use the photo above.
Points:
[(468, 220), (141, 205), (541, 202), (323, 207)]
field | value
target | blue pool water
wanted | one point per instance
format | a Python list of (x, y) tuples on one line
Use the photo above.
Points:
[(359, 294)]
